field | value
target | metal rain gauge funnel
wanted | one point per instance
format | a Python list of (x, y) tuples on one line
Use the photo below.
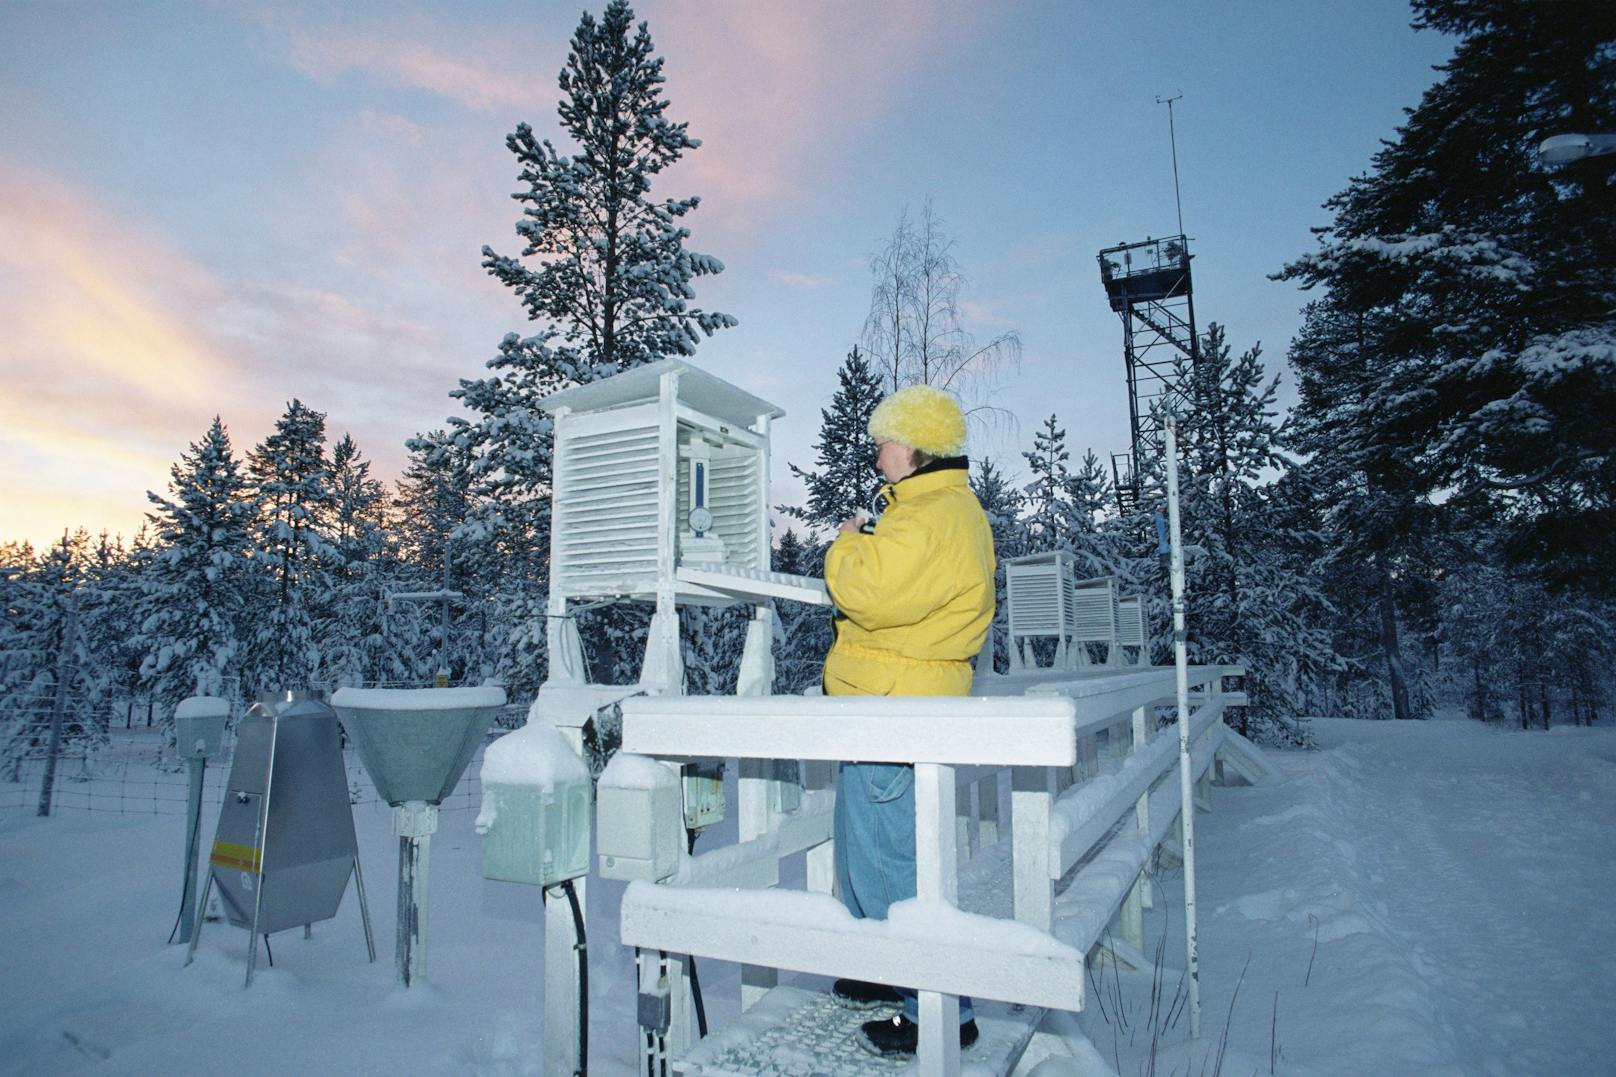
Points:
[(284, 846), (415, 743)]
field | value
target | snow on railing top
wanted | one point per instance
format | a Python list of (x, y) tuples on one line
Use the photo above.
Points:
[(892, 729)]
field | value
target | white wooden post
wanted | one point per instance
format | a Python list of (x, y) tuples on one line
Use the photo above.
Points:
[(562, 1011), (987, 810), (1133, 906), (962, 821), (1032, 884), (664, 660), (561, 957), (752, 821), (1140, 722), (936, 879)]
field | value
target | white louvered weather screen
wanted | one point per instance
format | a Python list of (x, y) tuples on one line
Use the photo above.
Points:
[(606, 510)]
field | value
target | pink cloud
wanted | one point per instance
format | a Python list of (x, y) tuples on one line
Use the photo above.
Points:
[(399, 60), (799, 280)]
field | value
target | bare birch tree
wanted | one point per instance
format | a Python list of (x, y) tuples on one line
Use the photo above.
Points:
[(916, 333)]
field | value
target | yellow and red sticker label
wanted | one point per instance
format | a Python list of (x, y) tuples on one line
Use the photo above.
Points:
[(228, 854)]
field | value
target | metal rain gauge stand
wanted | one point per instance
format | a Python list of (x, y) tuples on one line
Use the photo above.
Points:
[(284, 846), (415, 743), (198, 735)]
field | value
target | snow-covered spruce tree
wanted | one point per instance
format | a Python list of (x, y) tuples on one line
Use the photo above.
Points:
[(612, 275), (711, 640), (1465, 338), (1250, 601), (294, 499), (1053, 515), (610, 284), (48, 600), (1063, 513), (114, 615), (1001, 503), (846, 481), (194, 584), (1364, 487), (802, 633), (431, 505), (353, 641)]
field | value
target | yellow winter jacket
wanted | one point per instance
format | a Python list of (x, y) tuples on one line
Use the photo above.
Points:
[(917, 595)]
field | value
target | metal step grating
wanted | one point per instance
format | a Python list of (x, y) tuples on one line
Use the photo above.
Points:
[(797, 1032)]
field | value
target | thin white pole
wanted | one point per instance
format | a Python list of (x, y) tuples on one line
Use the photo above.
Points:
[(1185, 784)]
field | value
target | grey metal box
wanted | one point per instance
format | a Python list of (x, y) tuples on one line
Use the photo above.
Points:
[(285, 844)]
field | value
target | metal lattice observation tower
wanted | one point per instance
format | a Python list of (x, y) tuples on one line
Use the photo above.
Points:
[(1149, 286)]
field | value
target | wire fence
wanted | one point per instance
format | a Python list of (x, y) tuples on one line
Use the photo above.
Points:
[(135, 773)]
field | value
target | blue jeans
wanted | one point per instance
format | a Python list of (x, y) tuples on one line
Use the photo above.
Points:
[(875, 847)]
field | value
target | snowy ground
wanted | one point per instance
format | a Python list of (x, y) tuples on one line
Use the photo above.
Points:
[(1414, 898)]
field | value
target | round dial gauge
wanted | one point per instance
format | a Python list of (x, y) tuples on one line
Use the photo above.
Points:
[(700, 520)]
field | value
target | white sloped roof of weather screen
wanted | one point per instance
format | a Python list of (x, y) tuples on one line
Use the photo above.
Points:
[(697, 389)]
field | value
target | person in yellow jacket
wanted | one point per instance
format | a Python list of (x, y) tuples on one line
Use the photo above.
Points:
[(914, 598)]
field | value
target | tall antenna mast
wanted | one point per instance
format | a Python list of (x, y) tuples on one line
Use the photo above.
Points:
[(1172, 134)]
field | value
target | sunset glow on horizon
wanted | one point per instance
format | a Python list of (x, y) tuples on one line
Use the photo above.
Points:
[(211, 208)]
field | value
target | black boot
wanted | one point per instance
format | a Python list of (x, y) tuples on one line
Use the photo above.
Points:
[(896, 1037), (858, 995)]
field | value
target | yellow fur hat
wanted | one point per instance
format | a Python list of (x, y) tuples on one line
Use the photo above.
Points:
[(921, 417)]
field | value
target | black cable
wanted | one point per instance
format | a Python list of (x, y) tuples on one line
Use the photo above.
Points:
[(695, 980), (583, 980), (267, 951)]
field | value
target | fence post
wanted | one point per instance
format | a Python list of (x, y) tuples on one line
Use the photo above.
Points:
[(64, 674)]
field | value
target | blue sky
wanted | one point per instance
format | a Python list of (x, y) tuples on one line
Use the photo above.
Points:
[(214, 207)]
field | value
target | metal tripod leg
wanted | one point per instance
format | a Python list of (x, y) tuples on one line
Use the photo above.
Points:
[(364, 908), (201, 914)]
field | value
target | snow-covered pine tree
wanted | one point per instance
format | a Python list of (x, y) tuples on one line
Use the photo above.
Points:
[(802, 632), (605, 272), (294, 496), (612, 275), (1249, 601), (196, 579), (48, 598), (1362, 484), (114, 616), (353, 642), (846, 481), (1001, 503), (1463, 341), (1052, 516), (432, 507)]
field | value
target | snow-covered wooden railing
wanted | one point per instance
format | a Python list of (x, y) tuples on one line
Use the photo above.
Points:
[(1066, 802), (1054, 828), (812, 933)]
